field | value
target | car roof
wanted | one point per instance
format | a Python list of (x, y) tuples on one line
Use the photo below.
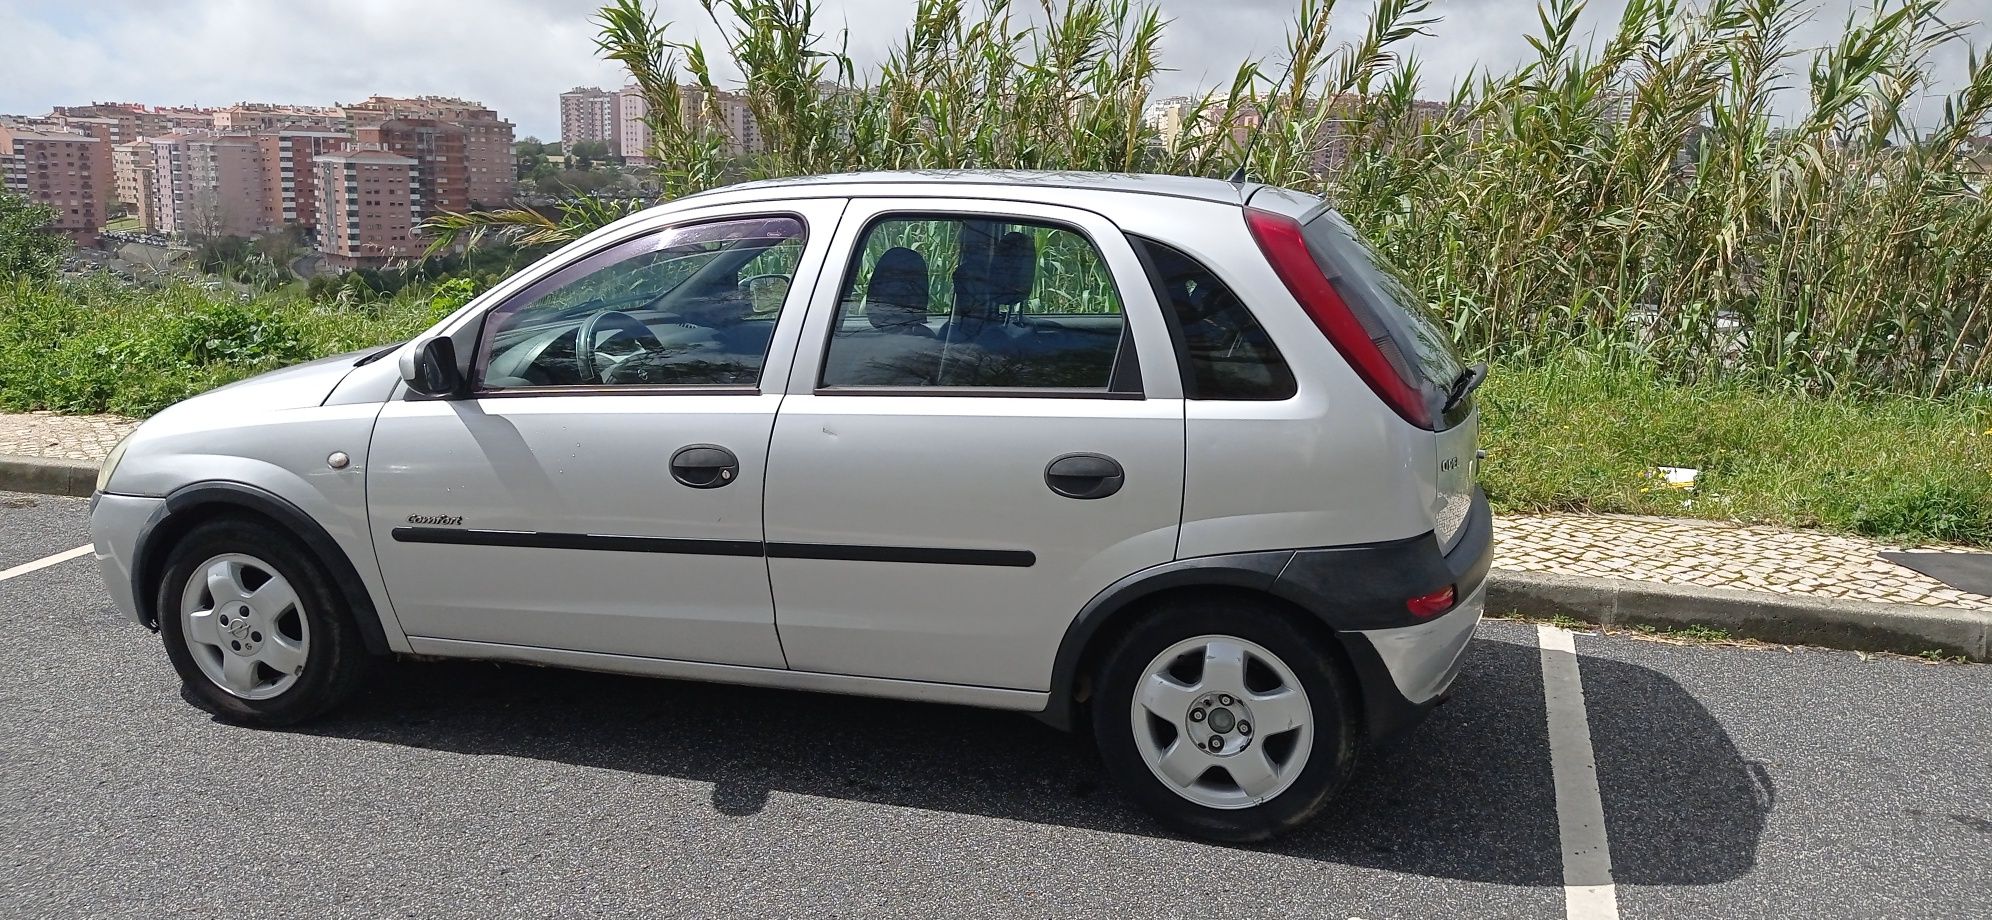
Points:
[(948, 182)]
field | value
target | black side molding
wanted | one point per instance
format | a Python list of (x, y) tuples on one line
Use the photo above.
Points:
[(583, 541), (850, 552), (932, 555)]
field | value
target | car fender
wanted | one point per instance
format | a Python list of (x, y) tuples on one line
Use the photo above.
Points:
[(340, 540)]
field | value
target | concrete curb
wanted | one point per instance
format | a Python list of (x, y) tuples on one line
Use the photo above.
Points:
[(1789, 619), (47, 475)]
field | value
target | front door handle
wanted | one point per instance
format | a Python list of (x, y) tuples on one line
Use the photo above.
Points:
[(1084, 476), (704, 466)]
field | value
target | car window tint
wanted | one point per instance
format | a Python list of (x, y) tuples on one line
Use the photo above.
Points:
[(1226, 353), (975, 302), (693, 305)]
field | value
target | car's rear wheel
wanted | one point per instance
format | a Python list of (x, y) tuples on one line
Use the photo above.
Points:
[(255, 627), (1225, 719)]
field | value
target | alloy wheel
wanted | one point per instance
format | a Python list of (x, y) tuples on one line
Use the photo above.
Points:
[(244, 625), (1222, 721)]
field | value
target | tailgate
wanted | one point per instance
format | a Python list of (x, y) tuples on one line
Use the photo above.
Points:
[(1458, 464)]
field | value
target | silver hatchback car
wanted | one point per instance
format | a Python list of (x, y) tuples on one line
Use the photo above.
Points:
[(1171, 459)]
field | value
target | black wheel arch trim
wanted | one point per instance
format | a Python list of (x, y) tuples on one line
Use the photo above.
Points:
[(1347, 588), (345, 577)]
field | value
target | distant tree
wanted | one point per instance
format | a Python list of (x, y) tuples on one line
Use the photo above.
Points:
[(28, 248)]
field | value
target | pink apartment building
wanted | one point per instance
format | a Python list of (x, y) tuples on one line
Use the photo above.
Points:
[(368, 204), (207, 184), (589, 113), (290, 178), (70, 173), (489, 177)]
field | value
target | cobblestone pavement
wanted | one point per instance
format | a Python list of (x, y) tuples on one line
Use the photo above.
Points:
[(1681, 551), (65, 437), (1718, 554)]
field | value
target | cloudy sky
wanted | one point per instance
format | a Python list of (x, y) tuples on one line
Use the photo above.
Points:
[(518, 55)]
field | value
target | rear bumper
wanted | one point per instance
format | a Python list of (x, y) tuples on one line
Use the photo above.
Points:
[(1404, 665), (1421, 661)]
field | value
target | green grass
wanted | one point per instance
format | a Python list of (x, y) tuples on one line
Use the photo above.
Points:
[(122, 223), (1570, 435), (101, 346)]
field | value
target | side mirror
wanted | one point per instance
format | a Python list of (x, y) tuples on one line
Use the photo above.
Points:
[(433, 372)]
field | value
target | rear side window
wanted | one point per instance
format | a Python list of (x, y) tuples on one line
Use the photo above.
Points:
[(972, 302), (1426, 351), (1224, 352)]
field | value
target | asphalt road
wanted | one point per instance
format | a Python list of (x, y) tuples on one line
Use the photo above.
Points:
[(1735, 783)]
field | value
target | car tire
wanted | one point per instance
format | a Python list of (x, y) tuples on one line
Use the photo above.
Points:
[(1216, 664), (246, 649)]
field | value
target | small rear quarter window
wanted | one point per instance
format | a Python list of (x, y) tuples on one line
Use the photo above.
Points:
[(1223, 351)]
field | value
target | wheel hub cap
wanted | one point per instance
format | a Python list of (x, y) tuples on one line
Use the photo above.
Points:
[(1220, 724)]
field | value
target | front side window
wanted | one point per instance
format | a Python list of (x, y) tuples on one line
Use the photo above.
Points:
[(687, 306), (955, 302)]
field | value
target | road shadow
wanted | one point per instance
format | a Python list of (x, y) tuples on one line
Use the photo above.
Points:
[(1466, 796)]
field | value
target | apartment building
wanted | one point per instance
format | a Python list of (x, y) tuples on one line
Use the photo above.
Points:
[(290, 179), (264, 116), (590, 113), (438, 150), (489, 177), (68, 172), (369, 202), (735, 119), (207, 184), (133, 121), (1167, 115), (131, 170), (633, 127)]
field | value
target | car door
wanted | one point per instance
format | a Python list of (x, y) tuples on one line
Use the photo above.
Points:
[(604, 495), (983, 430)]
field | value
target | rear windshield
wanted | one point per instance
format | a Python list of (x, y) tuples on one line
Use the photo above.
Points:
[(1357, 273)]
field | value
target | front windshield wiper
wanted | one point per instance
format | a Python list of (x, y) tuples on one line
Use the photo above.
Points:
[(1464, 385)]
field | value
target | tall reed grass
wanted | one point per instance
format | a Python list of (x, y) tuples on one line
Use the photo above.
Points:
[(1637, 196)]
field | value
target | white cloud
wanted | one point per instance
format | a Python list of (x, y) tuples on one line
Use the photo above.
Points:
[(518, 55)]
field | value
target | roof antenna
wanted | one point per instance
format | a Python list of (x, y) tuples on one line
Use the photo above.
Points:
[(1238, 175)]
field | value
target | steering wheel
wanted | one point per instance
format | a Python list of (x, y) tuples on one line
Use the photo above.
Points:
[(623, 324)]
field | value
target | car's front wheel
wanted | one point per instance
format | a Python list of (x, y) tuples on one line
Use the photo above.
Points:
[(1226, 720), (255, 627)]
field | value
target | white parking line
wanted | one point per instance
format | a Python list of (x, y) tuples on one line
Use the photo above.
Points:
[(1588, 891), (44, 562)]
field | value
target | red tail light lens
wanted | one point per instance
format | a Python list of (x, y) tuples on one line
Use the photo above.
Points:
[(1279, 238), (1427, 606)]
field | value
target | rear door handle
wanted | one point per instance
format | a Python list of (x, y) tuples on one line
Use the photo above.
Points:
[(1084, 476), (704, 466)]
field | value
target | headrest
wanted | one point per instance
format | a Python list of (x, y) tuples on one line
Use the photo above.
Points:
[(897, 296), (1013, 269)]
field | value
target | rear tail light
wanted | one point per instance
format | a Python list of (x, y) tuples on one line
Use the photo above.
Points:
[(1427, 606), (1362, 338)]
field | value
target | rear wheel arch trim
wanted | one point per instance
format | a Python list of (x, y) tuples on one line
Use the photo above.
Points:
[(183, 509), (1254, 572)]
